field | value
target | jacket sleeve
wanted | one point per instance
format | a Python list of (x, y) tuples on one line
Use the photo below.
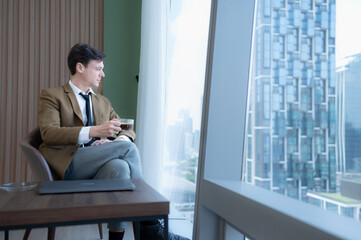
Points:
[(50, 113)]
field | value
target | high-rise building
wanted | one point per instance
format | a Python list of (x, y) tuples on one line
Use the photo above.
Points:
[(291, 142), (349, 114)]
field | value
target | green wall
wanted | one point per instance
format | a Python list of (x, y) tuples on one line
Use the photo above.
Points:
[(122, 20)]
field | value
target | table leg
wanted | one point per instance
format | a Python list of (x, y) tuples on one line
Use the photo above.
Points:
[(6, 234), (137, 230), (166, 227)]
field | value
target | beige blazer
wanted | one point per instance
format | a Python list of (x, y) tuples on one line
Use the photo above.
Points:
[(60, 121)]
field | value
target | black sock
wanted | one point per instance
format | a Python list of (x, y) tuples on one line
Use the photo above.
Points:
[(116, 235), (149, 223)]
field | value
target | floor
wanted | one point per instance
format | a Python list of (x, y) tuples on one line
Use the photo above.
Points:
[(80, 232), (177, 224)]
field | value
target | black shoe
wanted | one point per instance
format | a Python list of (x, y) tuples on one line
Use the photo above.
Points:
[(155, 231), (116, 235)]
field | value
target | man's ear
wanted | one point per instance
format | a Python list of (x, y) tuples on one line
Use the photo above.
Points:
[(79, 67)]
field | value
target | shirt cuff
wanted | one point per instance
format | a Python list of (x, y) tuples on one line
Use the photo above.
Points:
[(84, 135)]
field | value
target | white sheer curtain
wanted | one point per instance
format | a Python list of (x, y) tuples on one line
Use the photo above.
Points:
[(151, 89), (174, 38), (186, 58)]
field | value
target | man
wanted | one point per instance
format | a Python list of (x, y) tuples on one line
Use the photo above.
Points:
[(82, 134)]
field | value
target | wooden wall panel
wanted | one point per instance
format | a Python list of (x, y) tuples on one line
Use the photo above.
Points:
[(35, 38)]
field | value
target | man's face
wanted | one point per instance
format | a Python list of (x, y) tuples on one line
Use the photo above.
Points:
[(93, 73)]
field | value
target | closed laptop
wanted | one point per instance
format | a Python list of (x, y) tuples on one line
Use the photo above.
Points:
[(90, 185)]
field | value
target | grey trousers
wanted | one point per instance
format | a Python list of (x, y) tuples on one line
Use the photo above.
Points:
[(114, 160)]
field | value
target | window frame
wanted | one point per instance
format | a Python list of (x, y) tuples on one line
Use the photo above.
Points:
[(222, 199)]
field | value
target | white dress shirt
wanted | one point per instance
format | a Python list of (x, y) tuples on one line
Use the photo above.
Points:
[(84, 132)]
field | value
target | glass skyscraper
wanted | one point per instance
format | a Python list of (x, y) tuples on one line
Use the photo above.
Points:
[(291, 142), (349, 114)]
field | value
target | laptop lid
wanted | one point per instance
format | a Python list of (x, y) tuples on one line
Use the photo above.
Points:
[(89, 185)]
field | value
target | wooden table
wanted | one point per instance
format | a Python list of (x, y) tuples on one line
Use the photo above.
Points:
[(20, 210)]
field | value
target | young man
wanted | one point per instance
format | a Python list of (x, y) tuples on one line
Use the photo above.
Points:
[(82, 134)]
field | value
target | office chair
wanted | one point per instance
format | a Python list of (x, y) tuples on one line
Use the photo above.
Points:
[(30, 146)]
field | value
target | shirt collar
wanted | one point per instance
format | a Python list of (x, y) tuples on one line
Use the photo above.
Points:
[(76, 90)]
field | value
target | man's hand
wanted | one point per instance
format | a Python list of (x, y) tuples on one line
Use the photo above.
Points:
[(105, 130), (122, 138), (100, 142)]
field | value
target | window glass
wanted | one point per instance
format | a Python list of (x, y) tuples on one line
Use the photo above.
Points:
[(307, 5), (305, 140), (306, 99), (292, 90), (278, 47), (187, 37), (306, 49), (264, 11), (279, 3), (292, 39)]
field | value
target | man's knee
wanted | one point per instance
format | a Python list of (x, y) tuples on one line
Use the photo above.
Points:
[(114, 169), (130, 145), (130, 150)]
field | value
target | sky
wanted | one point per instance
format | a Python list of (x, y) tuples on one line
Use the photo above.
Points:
[(187, 49), (348, 33), (189, 23)]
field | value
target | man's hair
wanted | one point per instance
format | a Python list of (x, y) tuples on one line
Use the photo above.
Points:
[(82, 53)]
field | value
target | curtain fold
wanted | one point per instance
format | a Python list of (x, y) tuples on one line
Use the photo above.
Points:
[(151, 89)]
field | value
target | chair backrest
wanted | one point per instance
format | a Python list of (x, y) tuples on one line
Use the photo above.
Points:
[(30, 146)]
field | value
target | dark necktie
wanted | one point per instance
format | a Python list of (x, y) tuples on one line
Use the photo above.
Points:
[(88, 112), (88, 115)]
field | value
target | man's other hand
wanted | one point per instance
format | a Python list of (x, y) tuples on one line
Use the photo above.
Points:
[(122, 138), (100, 142)]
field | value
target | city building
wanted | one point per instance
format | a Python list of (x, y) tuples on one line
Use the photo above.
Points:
[(346, 202), (349, 114), (337, 203), (181, 148), (291, 143)]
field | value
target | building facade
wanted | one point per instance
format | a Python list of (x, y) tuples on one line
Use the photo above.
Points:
[(349, 114), (291, 142)]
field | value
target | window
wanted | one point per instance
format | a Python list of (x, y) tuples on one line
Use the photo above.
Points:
[(278, 47), (306, 150), (265, 11), (306, 99), (307, 74), (290, 155), (320, 41), (306, 49), (307, 5), (263, 102), (280, 21), (267, 8), (278, 100), (292, 39), (314, 120), (292, 90), (188, 25), (279, 3)]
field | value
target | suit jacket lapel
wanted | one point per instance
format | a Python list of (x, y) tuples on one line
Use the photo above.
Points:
[(69, 91), (96, 110)]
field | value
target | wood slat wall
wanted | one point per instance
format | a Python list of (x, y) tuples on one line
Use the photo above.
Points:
[(35, 38)]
